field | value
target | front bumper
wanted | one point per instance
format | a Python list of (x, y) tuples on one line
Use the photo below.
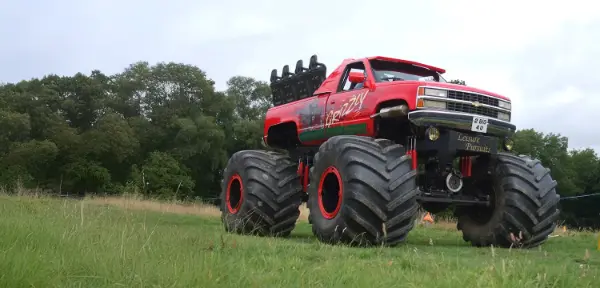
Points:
[(459, 121)]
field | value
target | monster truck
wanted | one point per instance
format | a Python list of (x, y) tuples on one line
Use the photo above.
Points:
[(378, 138)]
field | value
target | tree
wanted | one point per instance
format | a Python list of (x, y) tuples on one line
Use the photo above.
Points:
[(163, 176), (165, 131)]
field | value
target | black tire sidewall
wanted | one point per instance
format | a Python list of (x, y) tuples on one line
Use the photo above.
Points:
[(232, 221), (271, 193), (328, 228), (473, 227), (513, 209)]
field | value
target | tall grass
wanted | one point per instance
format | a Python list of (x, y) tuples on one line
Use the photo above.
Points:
[(134, 243)]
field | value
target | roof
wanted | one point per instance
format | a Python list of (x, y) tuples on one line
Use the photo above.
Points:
[(382, 58)]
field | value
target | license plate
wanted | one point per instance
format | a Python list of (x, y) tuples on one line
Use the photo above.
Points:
[(479, 124)]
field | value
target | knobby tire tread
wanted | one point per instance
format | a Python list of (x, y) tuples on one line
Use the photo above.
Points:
[(531, 205), (272, 194), (379, 191)]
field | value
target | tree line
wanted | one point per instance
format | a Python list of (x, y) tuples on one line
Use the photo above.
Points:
[(164, 131)]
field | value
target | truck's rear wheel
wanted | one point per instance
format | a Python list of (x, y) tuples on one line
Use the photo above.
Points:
[(524, 205), (363, 192), (260, 194)]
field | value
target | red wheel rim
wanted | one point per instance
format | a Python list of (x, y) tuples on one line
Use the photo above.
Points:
[(235, 194), (330, 192)]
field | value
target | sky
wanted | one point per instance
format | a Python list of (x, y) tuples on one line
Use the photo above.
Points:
[(541, 54)]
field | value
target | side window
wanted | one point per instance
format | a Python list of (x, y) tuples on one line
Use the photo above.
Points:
[(345, 84)]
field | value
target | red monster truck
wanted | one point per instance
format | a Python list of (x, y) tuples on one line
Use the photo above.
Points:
[(377, 138)]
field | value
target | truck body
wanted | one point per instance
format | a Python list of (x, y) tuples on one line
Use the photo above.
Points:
[(375, 140)]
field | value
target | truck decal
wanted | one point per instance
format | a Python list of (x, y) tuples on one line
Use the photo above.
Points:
[(353, 104), (311, 115)]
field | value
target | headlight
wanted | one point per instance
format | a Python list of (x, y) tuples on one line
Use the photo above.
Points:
[(422, 103), (503, 116), (432, 92), (508, 144), (433, 133), (504, 104)]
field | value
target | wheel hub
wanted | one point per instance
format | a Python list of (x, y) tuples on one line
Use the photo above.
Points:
[(234, 195), (454, 182), (330, 192)]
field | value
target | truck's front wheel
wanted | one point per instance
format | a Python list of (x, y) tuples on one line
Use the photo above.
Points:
[(524, 205), (363, 191)]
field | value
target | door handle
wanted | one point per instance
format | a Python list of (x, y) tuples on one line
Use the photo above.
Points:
[(332, 102)]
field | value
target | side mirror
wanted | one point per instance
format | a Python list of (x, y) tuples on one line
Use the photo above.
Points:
[(356, 77)]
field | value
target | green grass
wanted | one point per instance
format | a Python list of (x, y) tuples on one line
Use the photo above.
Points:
[(62, 243)]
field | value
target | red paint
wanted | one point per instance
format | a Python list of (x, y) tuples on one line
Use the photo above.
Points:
[(356, 77), (334, 171), (465, 166), (327, 98), (413, 155), (330, 84), (306, 177), (346, 108), (389, 59), (414, 159), (233, 179)]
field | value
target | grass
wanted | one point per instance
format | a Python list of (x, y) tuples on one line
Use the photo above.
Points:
[(116, 243)]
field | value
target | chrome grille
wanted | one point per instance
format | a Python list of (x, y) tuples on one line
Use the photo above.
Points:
[(468, 103), (469, 108), (472, 97)]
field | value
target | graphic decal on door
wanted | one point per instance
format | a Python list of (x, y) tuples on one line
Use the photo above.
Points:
[(352, 104)]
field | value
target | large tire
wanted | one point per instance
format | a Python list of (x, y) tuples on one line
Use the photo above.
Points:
[(376, 200), (260, 194), (524, 204)]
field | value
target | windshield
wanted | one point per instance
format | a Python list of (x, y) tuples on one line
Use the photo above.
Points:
[(391, 71)]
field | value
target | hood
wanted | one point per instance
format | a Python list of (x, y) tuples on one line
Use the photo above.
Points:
[(463, 88)]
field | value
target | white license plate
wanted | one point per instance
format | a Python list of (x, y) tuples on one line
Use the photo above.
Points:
[(479, 124)]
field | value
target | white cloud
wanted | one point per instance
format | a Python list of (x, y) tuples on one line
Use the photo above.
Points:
[(539, 53)]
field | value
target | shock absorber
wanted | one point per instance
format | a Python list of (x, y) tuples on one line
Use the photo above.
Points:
[(465, 166), (411, 149), (304, 164)]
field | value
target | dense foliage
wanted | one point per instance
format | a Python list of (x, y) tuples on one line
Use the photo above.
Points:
[(164, 131)]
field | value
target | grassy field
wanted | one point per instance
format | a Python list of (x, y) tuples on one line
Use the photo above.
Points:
[(111, 243)]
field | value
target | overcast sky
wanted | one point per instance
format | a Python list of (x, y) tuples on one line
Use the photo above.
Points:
[(540, 54)]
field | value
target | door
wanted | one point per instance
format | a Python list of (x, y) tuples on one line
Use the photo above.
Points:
[(344, 109)]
